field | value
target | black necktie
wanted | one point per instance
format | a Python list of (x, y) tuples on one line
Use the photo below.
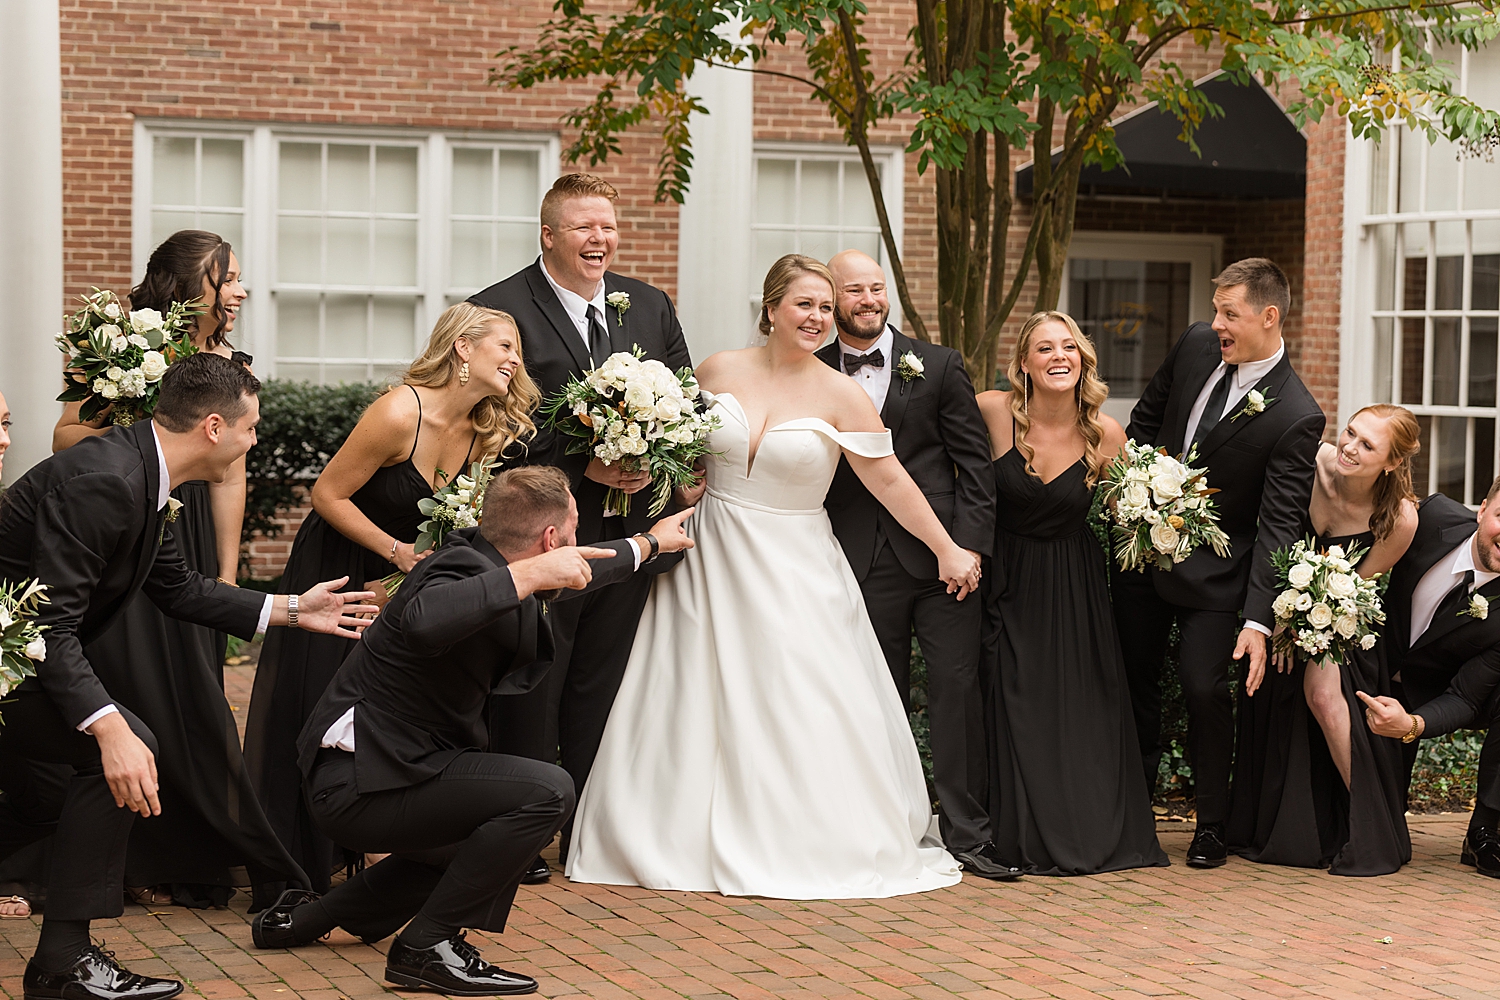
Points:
[(1454, 601), (854, 362), (598, 337), (1214, 411)]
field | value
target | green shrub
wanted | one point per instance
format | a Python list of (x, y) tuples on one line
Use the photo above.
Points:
[(301, 426), (921, 727), (1445, 773)]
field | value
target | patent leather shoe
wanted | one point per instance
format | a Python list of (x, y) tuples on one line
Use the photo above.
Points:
[(985, 861), (536, 873), (1208, 849), (1481, 851), (454, 967), (95, 976), (272, 927)]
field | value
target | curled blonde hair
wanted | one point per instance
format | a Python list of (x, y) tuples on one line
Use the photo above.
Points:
[(1090, 394), (780, 277), (499, 421)]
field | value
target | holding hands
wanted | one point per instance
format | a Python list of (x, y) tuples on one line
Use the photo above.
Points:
[(960, 570)]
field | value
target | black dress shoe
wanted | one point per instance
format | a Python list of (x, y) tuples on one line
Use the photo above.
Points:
[(985, 861), (453, 967), (1207, 849), (537, 873), (272, 927), (1481, 851), (95, 976)]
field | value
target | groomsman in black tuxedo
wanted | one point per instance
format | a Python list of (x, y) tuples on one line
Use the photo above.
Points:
[(926, 400), (91, 523), (1226, 389), (394, 754), (573, 312), (1444, 650)]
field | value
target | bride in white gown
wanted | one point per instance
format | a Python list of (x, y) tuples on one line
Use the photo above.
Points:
[(757, 746)]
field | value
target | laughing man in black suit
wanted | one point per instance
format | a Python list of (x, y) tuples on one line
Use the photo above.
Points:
[(1261, 457), (573, 312), (91, 524)]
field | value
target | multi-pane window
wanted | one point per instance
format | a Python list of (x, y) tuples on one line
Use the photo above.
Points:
[(813, 204), (1133, 311), (351, 244), (1432, 228)]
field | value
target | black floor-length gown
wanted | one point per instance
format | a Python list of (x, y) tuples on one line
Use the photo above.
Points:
[(295, 666), (1288, 804), (1067, 793)]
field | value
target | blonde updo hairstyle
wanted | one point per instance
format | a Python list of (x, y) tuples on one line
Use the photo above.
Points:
[(780, 277), (1090, 393), (499, 421), (1394, 487)]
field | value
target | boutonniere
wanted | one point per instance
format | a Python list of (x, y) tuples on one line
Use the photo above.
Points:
[(621, 302), (1255, 402), (910, 366), (1479, 608), (174, 511)]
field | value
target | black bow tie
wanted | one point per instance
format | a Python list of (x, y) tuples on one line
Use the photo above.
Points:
[(854, 362)]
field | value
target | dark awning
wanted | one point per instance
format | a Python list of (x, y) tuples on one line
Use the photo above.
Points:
[(1254, 151)]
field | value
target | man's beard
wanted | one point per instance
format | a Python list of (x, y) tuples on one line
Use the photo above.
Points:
[(847, 328)]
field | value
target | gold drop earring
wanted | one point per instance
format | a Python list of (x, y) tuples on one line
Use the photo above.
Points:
[(463, 373), (1026, 396)]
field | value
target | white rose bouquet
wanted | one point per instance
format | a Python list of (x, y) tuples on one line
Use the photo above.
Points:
[(459, 504), (1158, 509), (641, 414), (116, 360), (1325, 608), (21, 642)]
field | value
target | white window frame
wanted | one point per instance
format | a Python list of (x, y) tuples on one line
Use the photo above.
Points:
[(1201, 251), (256, 334)]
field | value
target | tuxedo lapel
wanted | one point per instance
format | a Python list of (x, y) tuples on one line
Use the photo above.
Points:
[(899, 391), (1443, 624), (547, 301), (619, 340), (1228, 426), (1198, 372), (154, 520)]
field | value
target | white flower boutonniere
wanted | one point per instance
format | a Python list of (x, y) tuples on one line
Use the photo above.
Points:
[(1479, 607), (174, 509), (621, 302), (1255, 402), (910, 366)]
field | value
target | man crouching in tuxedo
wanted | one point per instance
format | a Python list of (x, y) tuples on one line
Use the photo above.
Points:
[(394, 757)]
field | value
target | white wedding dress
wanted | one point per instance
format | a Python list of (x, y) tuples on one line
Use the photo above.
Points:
[(757, 746)]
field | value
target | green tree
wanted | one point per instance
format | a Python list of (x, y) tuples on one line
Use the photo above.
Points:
[(987, 78)]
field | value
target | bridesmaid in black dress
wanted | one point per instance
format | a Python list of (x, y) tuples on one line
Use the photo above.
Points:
[(172, 671), (467, 397), (1313, 787), (1067, 793)]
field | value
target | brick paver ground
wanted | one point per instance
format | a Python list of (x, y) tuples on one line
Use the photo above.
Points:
[(1245, 930)]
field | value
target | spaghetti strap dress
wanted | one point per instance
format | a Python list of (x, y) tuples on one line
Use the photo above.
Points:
[(1288, 805), (295, 666)]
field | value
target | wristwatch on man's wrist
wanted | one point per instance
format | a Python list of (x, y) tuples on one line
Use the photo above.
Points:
[(291, 611), (650, 540)]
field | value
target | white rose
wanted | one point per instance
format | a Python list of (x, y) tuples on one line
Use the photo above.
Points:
[(1285, 604), (143, 320), (136, 340), (1135, 494), (1341, 585), (1164, 537), (1320, 615), (1346, 626), (1304, 601), (1150, 516), (6, 621), (667, 409), (913, 362), (153, 366), (1368, 641), (639, 397), (1136, 474), (112, 310), (109, 332), (36, 649), (1166, 488), (106, 388), (119, 343), (1300, 576)]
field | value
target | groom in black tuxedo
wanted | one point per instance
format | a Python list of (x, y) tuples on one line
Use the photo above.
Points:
[(928, 405), (1444, 659), (573, 312), (91, 524), (1228, 391)]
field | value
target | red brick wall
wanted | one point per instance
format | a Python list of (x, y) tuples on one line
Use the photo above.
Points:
[(1323, 264)]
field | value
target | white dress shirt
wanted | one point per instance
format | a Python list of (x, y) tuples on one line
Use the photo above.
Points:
[(876, 382), (1444, 575), (163, 494), (1245, 377), (576, 306)]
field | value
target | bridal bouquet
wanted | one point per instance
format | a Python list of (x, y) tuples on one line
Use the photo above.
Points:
[(456, 505), (1158, 509), (116, 360), (1325, 608), (638, 413), (21, 642)]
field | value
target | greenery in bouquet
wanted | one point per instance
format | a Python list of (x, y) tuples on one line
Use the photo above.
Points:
[(21, 642), (458, 504), (640, 414), (116, 359), (1325, 609), (1158, 509)]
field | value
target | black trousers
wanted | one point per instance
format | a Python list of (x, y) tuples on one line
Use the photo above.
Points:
[(948, 630), (86, 870), (459, 842), (1144, 621)]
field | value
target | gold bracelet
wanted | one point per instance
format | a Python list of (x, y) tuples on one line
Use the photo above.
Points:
[(1416, 724), (229, 583)]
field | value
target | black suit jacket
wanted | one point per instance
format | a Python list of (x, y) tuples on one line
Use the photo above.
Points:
[(1263, 464), (941, 439), (554, 352), (421, 677), (1452, 673), (85, 523)]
